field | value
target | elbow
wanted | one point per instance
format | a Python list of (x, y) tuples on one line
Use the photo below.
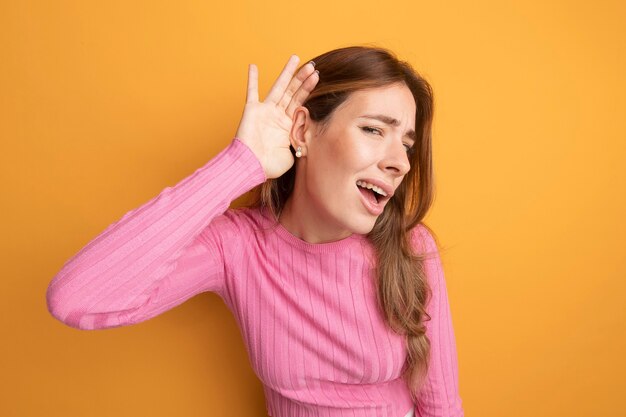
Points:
[(71, 309), (67, 309), (60, 308)]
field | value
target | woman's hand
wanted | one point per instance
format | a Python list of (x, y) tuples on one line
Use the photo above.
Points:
[(265, 126)]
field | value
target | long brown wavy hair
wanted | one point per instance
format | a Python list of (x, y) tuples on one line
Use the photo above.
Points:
[(402, 287)]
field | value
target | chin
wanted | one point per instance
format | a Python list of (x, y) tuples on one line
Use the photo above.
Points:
[(364, 226)]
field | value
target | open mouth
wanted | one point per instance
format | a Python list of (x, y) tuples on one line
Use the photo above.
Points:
[(373, 194)]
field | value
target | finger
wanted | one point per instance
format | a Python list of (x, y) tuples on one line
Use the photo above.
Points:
[(295, 84), (303, 92), (279, 86), (252, 94)]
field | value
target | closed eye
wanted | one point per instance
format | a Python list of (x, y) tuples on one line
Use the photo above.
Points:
[(371, 130), (367, 129)]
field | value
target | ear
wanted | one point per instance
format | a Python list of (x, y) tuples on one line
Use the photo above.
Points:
[(302, 129)]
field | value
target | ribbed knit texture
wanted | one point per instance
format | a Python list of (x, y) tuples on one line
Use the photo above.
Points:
[(307, 312)]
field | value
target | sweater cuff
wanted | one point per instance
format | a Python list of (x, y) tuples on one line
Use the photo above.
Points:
[(253, 164)]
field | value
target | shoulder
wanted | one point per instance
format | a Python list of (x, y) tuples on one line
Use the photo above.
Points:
[(234, 224), (426, 248), (250, 218), (239, 219), (423, 240)]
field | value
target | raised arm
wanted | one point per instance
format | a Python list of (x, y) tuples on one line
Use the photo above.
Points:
[(440, 395), (156, 256), (164, 252)]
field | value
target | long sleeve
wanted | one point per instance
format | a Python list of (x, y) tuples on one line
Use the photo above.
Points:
[(440, 395), (158, 255)]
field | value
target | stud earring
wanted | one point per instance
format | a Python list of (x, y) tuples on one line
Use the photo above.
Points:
[(299, 152)]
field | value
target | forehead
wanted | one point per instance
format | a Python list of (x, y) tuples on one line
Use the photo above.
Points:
[(395, 101)]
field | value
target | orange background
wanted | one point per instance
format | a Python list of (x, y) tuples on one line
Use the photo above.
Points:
[(104, 104)]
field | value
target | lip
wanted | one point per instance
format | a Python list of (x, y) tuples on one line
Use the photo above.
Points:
[(376, 209), (388, 189)]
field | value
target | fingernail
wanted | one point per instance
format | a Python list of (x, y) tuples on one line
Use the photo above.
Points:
[(312, 63)]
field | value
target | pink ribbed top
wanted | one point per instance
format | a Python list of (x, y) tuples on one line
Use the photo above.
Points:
[(307, 312)]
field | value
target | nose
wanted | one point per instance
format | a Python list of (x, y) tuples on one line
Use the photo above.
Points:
[(396, 160)]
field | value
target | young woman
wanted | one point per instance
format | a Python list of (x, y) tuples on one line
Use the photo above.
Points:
[(334, 280)]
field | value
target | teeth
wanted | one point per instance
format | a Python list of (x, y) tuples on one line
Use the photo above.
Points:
[(365, 184)]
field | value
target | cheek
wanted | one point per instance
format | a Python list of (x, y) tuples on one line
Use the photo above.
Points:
[(335, 168), (355, 153)]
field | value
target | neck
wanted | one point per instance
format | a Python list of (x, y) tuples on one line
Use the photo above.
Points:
[(302, 220)]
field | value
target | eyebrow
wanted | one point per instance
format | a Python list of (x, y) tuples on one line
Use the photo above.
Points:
[(390, 121)]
